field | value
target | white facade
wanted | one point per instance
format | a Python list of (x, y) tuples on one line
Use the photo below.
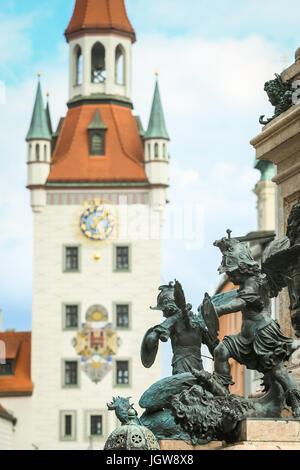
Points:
[(21, 409), (96, 283), (6, 434)]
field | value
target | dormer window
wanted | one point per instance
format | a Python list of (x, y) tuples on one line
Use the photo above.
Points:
[(7, 369), (97, 142), (97, 135)]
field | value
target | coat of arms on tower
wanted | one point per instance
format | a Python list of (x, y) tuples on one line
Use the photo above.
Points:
[(96, 342)]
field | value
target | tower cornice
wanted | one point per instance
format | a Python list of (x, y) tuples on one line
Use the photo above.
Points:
[(99, 99)]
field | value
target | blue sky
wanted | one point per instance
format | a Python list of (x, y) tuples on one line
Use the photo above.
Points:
[(213, 59)]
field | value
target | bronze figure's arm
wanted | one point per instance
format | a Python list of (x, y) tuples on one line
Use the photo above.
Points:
[(235, 306)]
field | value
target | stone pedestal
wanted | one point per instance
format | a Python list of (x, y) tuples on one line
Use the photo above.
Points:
[(185, 446), (267, 434), (253, 434)]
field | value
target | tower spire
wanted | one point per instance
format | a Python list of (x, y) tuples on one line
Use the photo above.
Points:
[(48, 114), (157, 126), (39, 128), (93, 16)]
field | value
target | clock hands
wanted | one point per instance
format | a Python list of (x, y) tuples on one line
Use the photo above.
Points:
[(98, 220)]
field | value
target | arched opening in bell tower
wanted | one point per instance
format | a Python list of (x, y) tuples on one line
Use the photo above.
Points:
[(78, 66), (37, 152), (98, 63), (120, 65)]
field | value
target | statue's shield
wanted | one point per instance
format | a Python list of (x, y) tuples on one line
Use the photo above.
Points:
[(148, 355), (210, 317)]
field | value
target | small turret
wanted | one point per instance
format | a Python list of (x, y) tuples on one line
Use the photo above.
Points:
[(156, 141), (38, 140), (265, 192)]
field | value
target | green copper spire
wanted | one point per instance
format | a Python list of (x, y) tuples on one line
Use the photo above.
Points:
[(39, 127), (48, 114), (157, 125), (266, 168), (97, 122)]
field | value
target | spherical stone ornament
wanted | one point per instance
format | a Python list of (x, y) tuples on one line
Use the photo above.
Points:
[(132, 436)]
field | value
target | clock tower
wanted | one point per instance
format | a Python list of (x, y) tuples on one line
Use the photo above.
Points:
[(98, 192)]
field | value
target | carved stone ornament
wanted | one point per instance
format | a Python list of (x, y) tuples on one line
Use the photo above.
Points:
[(280, 95)]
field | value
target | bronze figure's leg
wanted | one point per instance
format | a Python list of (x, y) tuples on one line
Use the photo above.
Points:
[(290, 386)]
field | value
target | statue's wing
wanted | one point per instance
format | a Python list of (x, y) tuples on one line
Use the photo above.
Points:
[(160, 394), (148, 355), (277, 255), (179, 296), (210, 318)]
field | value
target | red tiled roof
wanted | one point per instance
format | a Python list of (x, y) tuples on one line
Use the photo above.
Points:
[(95, 15), (18, 345), (123, 161)]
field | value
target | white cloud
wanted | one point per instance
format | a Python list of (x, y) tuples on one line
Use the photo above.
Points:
[(200, 77), (16, 44)]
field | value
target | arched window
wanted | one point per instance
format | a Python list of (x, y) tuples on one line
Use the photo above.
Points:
[(149, 151), (164, 150), (37, 152), (98, 63), (79, 65), (120, 66), (45, 153), (30, 153), (156, 150)]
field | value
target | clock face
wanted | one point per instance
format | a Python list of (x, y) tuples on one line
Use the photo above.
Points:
[(97, 223)]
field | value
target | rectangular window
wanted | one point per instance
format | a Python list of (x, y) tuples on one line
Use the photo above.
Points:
[(122, 316), (122, 370), (7, 369), (96, 425), (71, 316), (72, 258), (122, 258), (67, 425), (71, 373)]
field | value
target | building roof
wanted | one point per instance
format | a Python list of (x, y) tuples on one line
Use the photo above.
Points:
[(97, 122), (4, 414), (157, 125), (108, 16), (48, 114), (39, 126), (18, 347), (124, 153)]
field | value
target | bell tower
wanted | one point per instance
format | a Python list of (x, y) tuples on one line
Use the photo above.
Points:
[(98, 191), (100, 52)]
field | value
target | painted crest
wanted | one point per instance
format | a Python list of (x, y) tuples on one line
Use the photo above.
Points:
[(96, 342)]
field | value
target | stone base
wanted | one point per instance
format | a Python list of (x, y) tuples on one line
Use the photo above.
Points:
[(263, 446), (269, 430), (253, 434), (182, 445)]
